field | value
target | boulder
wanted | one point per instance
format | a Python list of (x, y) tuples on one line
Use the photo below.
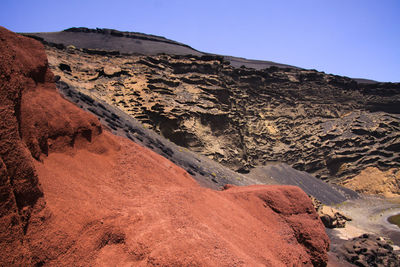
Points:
[(332, 218)]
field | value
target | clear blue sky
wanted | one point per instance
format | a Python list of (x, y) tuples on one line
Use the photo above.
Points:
[(355, 38)]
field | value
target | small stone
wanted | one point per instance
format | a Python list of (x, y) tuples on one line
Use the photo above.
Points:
[(111, 71)]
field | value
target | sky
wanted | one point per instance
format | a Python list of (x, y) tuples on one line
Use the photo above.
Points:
[(354, 38)]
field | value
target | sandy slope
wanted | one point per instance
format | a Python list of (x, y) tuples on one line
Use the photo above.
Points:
[(130, 206)]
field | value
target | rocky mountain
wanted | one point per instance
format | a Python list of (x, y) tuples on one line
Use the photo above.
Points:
[(87, 189), (330, 126), (72, 193)]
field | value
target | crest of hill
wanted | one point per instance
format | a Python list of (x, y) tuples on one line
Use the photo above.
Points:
[(114, 41)]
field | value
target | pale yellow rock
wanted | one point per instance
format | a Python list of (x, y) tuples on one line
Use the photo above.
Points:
[(331, 217), (376, 182), (109, 70)]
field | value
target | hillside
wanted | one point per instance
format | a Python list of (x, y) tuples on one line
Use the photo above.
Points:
[(327, 125), (75, 194), (159, 154), (105, 41)]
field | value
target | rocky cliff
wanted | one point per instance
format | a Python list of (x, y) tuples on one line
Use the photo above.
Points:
[(74, 194), (327, 125), (35, 121)]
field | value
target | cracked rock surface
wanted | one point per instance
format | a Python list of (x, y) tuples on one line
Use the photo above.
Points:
[(327, 125)]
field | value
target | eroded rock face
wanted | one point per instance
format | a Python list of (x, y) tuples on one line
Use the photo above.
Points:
[(327, 125), (103, 199), (207, 172), (19, 72), (35, 120)]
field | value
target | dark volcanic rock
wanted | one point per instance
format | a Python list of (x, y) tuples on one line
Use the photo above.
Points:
[(369, 250), (326, 193), (112, 42), (326, 125)]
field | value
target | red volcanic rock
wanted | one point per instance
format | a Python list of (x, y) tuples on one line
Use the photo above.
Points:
[(19, 189), (34, 119), (104, 200)]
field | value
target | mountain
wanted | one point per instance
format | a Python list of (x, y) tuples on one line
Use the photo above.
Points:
[(144, 151), (72, 193), (330, 126)]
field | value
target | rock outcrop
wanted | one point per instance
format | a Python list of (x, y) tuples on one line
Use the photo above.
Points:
[(331, 217), (369, 250), (73, 194), (35, 121), (327, 125)]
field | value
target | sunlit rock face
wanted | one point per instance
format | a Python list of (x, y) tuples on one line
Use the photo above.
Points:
[(327, 125)]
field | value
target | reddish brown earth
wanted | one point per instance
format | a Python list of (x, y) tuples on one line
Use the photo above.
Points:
[(72, 194)]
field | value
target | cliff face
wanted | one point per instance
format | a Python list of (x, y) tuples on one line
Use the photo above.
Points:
[(35, 121), (327, 125), (73, 194)]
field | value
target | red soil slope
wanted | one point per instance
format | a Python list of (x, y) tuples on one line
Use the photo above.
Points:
[(106, 201)]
